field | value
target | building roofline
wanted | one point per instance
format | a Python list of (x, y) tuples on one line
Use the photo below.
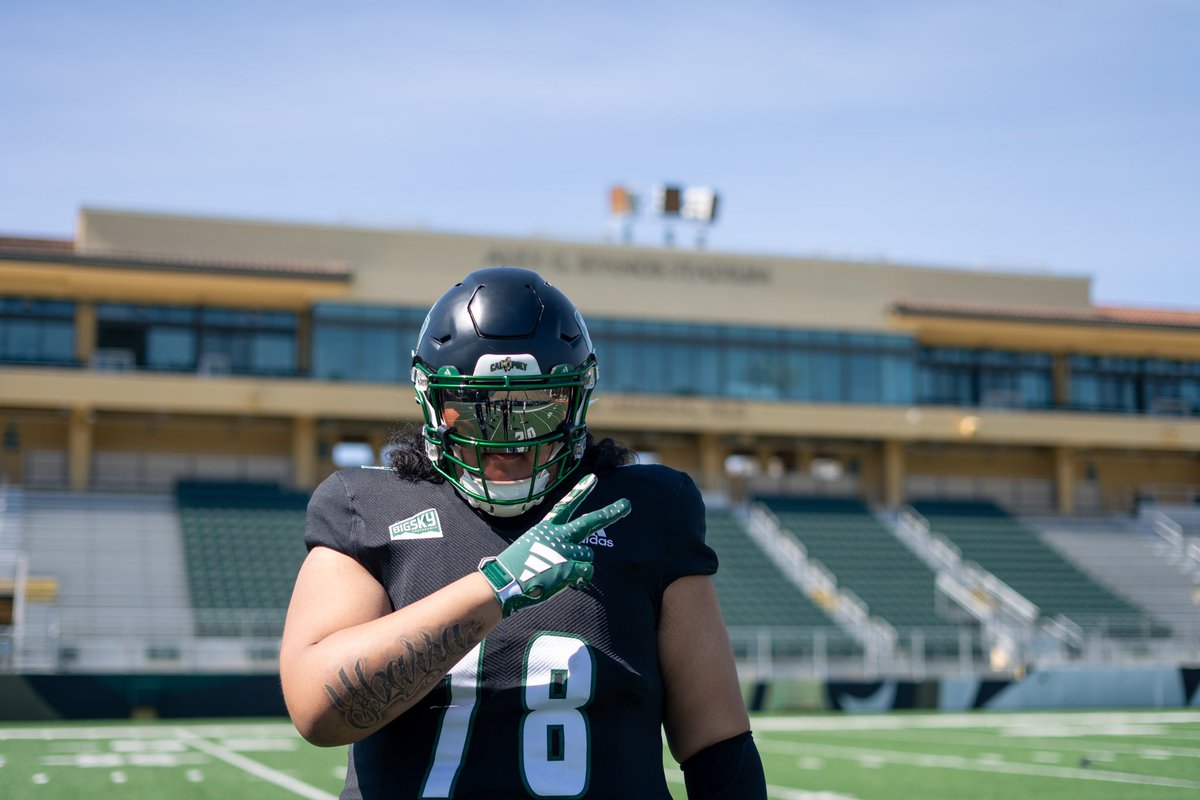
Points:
[(64, 252), (1108, 316)]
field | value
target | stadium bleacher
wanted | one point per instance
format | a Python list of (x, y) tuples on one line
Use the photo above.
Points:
[(755, 594), (870, 561), (1130, 563), (1013, 552), (243, 544), (231, 551)]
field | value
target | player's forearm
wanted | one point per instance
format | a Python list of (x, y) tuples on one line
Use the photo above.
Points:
[(353, 682)]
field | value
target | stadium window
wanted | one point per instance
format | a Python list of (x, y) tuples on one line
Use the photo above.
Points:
[(622, 371), (826, 371), (1105, 384), (755, 362), (272, 353), (210, 340), (253, 342), (898, 378), (704, 367), (383, 356), (1036, 388), (334, 352), (363, 343), (37, 331), (679, 375), (863, 378), (171, 348)]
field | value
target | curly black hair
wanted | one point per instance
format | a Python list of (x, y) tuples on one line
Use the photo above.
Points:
[(406, 455)]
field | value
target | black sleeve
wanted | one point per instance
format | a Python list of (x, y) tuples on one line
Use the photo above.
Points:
[(332, 520), (728, 770), (687, 554)]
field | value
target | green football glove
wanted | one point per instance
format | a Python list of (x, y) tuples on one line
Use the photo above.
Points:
[(549, 557)]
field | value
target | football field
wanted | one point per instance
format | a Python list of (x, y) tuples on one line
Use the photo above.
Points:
[(1092, 755)]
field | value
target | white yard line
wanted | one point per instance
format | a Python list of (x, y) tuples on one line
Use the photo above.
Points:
[(1034, 742), (783, 792), (253, 767), (978, 719), (934, 761), (67, 732)]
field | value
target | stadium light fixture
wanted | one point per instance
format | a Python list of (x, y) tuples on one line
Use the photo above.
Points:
[(700, 206), (667, 202), (623, 201), (623, 206)]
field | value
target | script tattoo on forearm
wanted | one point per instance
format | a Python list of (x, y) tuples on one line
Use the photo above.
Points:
[(365, 697)]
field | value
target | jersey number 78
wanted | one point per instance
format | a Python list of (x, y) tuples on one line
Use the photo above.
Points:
[(555, 745)]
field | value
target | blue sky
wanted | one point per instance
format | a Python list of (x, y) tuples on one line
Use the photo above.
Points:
[(1029, 136)]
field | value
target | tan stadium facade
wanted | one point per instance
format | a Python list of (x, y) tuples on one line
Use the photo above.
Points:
[(238, 349)]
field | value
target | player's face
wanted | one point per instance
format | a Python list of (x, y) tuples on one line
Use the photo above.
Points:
[(502, 466), (506, 416)]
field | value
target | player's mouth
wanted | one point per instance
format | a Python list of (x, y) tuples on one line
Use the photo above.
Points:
[(508, 466)]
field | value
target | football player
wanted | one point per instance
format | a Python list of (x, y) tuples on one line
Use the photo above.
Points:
[(513, 609)]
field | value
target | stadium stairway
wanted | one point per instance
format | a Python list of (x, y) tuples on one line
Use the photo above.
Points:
[(756, 595), (1187, 517), (1014, 553), (1125, 561), (870, 561)]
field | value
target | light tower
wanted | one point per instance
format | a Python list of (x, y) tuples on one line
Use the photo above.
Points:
[(623, 206), (700, 206)]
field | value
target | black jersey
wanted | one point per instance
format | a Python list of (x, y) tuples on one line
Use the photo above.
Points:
[(563, 699)]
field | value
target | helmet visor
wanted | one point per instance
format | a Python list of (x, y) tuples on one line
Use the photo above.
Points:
[(505, 417)]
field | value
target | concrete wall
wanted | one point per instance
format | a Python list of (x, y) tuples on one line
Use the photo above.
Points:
[(415, 267)]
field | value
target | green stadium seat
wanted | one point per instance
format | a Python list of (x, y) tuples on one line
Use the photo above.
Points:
[(244, 544), (755, 594), (868, 560), (1014, 553)]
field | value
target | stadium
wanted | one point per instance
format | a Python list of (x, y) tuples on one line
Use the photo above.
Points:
[(930, 488)]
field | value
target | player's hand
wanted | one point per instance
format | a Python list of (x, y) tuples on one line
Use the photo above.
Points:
[(549, 557)]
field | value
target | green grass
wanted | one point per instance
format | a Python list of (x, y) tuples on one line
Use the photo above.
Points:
[(1122, 755)]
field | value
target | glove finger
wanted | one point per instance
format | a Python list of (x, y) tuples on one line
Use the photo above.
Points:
[(579, 529), (564, 508)]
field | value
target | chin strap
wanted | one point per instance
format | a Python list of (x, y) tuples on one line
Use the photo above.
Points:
[(503, 490), (728, 770)]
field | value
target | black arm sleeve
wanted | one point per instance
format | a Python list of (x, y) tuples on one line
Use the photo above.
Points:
[(727, 770)]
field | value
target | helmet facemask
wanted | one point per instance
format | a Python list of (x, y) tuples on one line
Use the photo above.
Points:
[(505, 411)]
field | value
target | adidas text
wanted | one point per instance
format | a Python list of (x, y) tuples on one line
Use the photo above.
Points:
[(599, 539)]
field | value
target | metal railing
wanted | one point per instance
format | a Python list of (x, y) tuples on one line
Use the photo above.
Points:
[(1009, 619), (761, 652), (815, 580), (1181, 551)]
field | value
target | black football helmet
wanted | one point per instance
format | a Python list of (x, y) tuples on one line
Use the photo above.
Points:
[(504, 364)]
